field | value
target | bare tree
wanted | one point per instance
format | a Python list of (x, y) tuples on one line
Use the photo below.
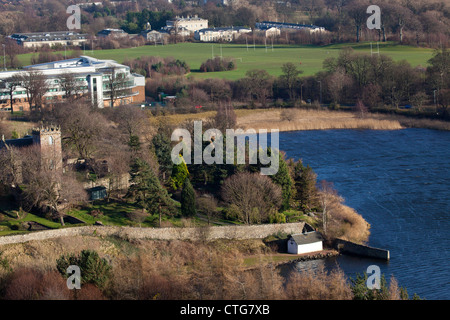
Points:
[(35, 84), (313, 7), (336, 83), (69, 84), (131, 120), (444, 101), (53, 190), (357, 12), (225, 117), (117, 83), (401, 16), (360, 109), (252, 196), (208, 205), (12, 83), (327, 197), (81, 127), (259, 83), (290, 78), (10, 168)]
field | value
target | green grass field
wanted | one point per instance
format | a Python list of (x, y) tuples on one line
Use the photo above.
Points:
[(309, 58)]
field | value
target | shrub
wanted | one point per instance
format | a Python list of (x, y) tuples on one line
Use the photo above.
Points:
[(217, 64), (32, 284), (277, 217), (318, 285), (96, 213), (93, 269)]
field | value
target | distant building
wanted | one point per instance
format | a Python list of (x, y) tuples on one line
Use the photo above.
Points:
[(288, 26), (39, 39), (113, 33), (305, 243), (220, 34), (154, 36), (190, 24), (93, 78), (268, 33), (89, 4), (97, 193)]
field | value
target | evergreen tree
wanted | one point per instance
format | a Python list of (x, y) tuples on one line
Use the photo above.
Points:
[(188, 207), (140, 188), (134, 144), (284, 180), (162, 146), (305, 185), (179, 174), (147, 190)]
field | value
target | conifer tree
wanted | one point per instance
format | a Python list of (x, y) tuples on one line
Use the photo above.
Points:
[(161, 143), (188, 207), (284, 180), (147, 190), (305, 185), (179, 174)]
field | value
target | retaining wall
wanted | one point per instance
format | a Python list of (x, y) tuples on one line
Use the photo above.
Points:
[(206, 233), (361, 250)]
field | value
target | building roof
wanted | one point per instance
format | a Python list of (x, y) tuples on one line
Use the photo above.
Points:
[(237, 28), (18, 143), (83, 64), (98, 188), (306, 238), (188, 18), (268, 24), (47, 36), (109, 31)]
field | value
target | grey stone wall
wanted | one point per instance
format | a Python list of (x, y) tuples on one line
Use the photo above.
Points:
[(206, 233), (361, 250)]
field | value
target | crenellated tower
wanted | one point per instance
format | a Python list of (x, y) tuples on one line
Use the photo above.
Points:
[(49, 141)]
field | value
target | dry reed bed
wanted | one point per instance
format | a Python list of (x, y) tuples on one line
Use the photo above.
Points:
[(314, 120)]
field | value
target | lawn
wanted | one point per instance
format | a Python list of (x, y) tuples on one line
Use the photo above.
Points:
[(9, 224), (115, 213), (308, 58)]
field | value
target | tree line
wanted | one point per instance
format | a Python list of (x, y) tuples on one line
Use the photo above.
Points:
[(353, 79), (412, 22)]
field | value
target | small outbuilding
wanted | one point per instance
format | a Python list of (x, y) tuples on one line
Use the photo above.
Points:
[(305, 242), (97, 193)]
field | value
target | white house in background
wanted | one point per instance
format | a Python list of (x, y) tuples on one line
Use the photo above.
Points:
[(305, 243), (190, 24), (217, 34)]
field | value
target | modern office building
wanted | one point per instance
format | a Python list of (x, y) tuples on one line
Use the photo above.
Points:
[(105, 82)]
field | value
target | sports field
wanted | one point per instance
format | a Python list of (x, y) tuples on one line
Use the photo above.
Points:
[(308, 58)]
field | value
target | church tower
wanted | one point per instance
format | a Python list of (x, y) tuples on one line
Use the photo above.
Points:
[(49, 141)]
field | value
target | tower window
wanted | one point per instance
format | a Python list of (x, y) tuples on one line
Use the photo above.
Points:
[(50, 140)]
